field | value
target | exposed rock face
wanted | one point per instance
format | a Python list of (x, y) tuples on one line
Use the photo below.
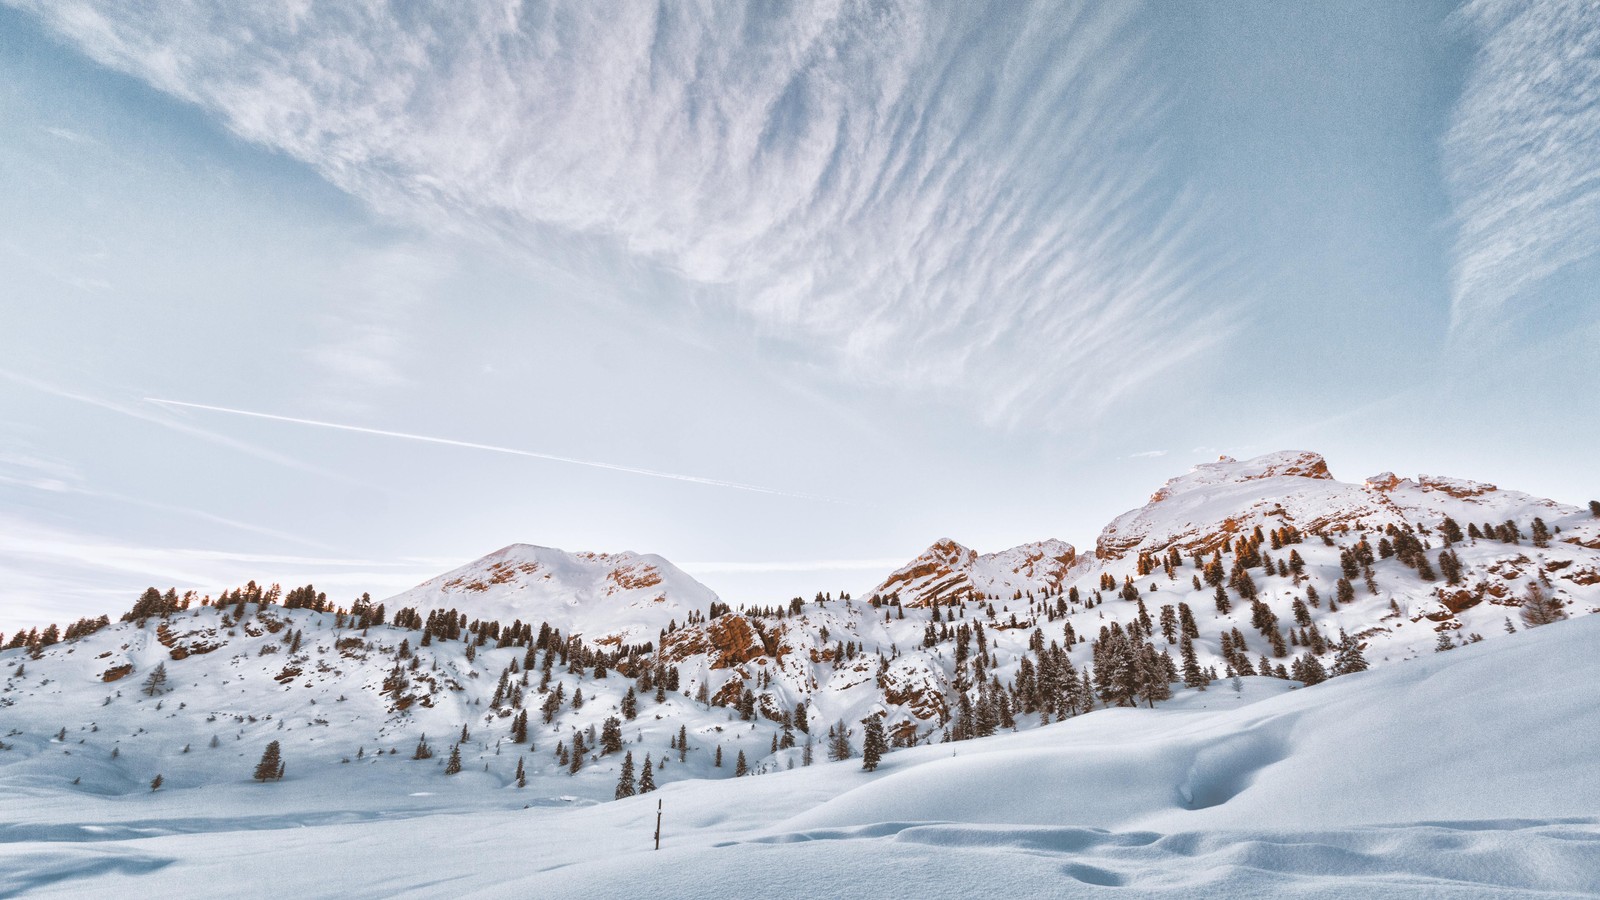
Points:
[(947, 571), (1199, 511), (726, 642)]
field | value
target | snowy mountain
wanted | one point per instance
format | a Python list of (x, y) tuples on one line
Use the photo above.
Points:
[(1462, 774), (947, 570), (504, 667), (601, 597), (1198, 511)]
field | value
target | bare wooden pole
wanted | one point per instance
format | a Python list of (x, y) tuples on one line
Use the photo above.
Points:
[(658, 823)]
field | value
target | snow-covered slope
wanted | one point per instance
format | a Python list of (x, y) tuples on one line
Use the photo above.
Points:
[(1198, 511), (629, 597), (947, 571), (1463, 774), (955, 644)]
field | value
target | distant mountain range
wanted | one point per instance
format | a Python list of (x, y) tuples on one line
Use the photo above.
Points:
[(1262, 567)]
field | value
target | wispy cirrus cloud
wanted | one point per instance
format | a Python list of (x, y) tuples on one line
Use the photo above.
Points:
[(968, 198), (135, 411), (1523, 152)]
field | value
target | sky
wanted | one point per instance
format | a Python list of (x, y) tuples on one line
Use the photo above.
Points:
[(352, 294)]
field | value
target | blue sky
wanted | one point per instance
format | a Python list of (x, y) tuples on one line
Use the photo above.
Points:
[(907, 270)]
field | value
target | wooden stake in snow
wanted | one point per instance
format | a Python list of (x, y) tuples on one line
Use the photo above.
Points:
[(658, 823)]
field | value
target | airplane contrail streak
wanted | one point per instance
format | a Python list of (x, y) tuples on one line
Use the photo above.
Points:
[(472, 445)]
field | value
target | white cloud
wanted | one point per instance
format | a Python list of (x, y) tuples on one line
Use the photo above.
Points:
[(1148, 454), (365, 329), (166, 421), (970, 199), (471, 445), (1523, 152)]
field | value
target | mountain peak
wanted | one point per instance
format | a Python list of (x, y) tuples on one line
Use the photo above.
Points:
[(625, 596), (947, 570)]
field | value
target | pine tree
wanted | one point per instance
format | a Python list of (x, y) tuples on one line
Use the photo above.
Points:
[(522, 775), (625, 779), (156, 682), (683, 743), (1450, 566), (647, 778), (630, 705), (717, 761), (454, 765), (839, 742), (873, 744), (1193, 675), (1541, 533), (1539, 608), (1347, 657), (576, 757), (611, 736), (1594, 508), (155, 783), (740, 767), (271, 762), (1444, 643)]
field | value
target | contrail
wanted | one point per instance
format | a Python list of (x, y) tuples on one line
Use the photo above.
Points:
[(471, 445)]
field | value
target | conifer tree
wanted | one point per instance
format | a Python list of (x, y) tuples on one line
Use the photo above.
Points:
[(1347, 657), (683, 743), (839, 742), (576, 757), (454, 764), (156, 682), (717, 761), (625, 779), (271, 763), (611, 736), (1193, 675), (1594, 508), (1541, 533), (522, 775), (1540, 608), (873, 744), (1186, 625), (630, 705), (740, 767), (647, 777), (155, 783)]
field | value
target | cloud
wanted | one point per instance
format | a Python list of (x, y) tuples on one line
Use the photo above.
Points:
[(365, 342), (970, 199), (166, 422), (470, 445), (1148, 454), (1522, 154)]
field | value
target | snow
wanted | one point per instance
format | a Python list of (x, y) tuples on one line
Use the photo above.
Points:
[(1266, 789), (1464, 774), (597, 595)]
